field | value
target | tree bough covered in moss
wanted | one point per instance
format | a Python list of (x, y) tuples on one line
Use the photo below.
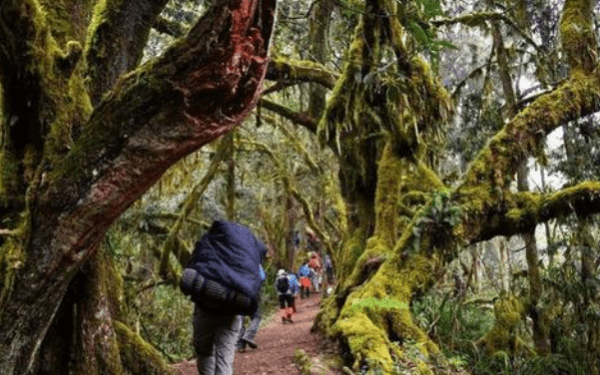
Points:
[(85, 131)]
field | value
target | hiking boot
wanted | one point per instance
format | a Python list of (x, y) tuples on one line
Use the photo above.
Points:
[(241, 346), (250, 343)]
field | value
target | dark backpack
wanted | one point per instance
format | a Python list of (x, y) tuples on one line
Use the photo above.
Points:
[(283, 284), (223, 274)]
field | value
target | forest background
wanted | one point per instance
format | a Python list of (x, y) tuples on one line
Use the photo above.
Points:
[(410, 137)]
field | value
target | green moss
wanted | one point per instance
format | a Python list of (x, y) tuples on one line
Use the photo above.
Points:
[(302, 361), (496, 164), (380, 309), (139, 357), (376, 249), (11, 258), (303, 70), (66, 20), (8, 177), (577, 33), (351, 251), (508, 311), (387, 196), (366, 341), (12, 253)]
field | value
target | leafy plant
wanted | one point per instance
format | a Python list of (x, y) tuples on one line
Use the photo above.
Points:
[(424, 33)]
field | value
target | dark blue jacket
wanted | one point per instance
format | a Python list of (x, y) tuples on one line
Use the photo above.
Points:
[(231, 255)]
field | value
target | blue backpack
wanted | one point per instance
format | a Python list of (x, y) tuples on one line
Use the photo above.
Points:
[(223, 274)]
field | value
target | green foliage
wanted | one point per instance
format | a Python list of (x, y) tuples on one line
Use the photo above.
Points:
[(572, 301), (424, 33), (456, 329), (502, 364), (164, 320), (437, 218), (450, 325)]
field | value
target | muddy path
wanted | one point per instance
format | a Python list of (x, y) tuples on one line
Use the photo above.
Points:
[(277, 343)]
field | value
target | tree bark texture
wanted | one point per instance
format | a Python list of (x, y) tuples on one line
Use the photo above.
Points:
[(89, 131)]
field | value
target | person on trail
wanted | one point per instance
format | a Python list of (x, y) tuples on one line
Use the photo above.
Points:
[(294, 288), (246, 336), (284, 292), (223, 280), (304, 273), (315, 266)]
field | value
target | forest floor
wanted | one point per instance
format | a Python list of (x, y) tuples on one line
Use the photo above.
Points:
[(277, 343)]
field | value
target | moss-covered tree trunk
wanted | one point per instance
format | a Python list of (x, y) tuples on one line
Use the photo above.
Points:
[(371, 318), (85, 131)]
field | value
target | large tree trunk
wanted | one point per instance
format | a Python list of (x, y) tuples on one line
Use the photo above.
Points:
[(370, 319), (90, 141)]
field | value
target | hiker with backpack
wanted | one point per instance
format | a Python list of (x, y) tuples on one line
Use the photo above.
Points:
[(286, 299), (294, 288), (223, 279), (304, 273)]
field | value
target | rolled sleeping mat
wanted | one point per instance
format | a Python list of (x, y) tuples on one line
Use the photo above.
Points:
[(190, 280), (213, 295)]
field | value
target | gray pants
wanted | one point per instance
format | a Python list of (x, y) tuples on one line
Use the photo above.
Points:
[(215, 338), (249, 332)]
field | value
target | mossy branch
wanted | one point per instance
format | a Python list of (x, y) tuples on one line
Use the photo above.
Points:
[(296, 117), (297, 144), (137, 356), (164, 111), (496, 165), (480, 19), (301, 71), (527, 209), (115, 42)]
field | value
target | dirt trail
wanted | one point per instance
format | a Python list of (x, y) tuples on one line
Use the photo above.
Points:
[(277, 343)]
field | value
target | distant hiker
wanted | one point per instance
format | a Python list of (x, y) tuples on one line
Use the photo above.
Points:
[(315, 266), (294, 288), (284, 292), (328, 268), (246, 336), (304, 273), (223, 279)]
